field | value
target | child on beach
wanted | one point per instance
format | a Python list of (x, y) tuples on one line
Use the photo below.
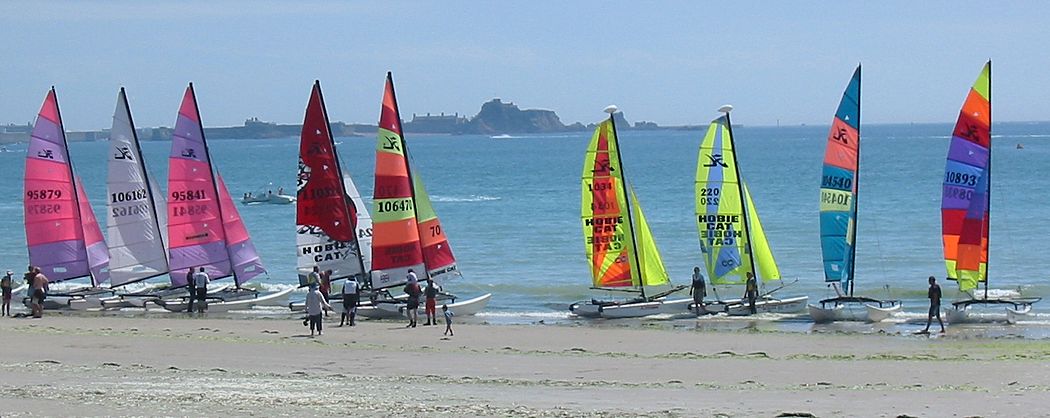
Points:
[(448, 319), (314, 305), (5, 287)]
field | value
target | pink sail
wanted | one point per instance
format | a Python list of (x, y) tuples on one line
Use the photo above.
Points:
[(195, 231), (54, 232), (97, 251), (246, 262)]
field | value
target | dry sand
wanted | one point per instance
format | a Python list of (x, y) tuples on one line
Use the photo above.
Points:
[(78, 365)]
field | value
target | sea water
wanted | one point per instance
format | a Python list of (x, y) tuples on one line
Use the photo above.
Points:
[(511, 206)]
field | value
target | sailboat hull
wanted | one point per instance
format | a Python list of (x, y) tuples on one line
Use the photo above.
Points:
[(770, 305), (857, 312), (397, 310), (631, 309)]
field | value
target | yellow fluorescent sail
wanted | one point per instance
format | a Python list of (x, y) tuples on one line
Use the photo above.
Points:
[(719, 208), (653, 271), (606, 228), (764, 262)]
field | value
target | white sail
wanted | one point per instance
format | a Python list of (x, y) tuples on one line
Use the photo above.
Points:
[(364, 222), (134, 232)]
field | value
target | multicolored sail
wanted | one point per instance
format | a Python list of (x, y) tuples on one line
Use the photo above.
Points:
[(732, 240), (97, 253), (245, 260), (396, 246), (195, 226), (619, 245), (326, 217), (437, 255), (54, 229), (838, 187), (965, 198), (134, 226)]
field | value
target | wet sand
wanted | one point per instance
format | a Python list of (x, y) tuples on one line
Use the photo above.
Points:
[(81, 365)]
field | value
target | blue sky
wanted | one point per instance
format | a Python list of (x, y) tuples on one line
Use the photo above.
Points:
[(671, 62)]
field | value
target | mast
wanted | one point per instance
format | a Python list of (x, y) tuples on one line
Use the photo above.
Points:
[(214, 188), (627, 199), (339, 169), (145, 176), (856, 207), (408, 166), (987, 185), (72, 181), (740, 186)]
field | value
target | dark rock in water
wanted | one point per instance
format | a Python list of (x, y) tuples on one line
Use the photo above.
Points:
[(796, 414), (498, 117)]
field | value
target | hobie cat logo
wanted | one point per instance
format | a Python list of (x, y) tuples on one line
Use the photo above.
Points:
[(602, 166), (189, 153), (46, 153), (715, 160), (841, 136), (123, 153), (392, 143), (304, 176)]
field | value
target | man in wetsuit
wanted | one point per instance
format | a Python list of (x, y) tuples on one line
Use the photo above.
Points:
[(934, 293), (698, 290), (751, 291)]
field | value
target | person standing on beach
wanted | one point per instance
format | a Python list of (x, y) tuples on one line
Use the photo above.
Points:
[(38, 292), (751, 291), (934, 293), (191, 287), (413, 291), (315, 303), (430, 310), (698, 290), (5, 288), (448, 320), (325, 287), (314, 277), (200, 281), (351, 297)]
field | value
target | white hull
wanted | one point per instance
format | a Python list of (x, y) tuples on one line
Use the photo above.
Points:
[(970, 316), (633, 310), (770, 305), (270, 299), (852, 312), (397, 310), (1014, 315), (276, 199)]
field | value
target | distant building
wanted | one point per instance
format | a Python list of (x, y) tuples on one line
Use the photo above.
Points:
[(440, 123)]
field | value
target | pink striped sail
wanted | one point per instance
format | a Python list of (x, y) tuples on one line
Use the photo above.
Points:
[(195, 230), (54, 231), (97, 251), (245, 260)]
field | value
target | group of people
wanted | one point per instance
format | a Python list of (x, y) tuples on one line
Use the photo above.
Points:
[(320, 285), (197, 282), (38, 287)]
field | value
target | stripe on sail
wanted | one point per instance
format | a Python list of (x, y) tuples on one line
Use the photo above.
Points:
[(97, 253), (195, 229), (396, 246), (965, 196), (606, 232), (838, 187), (765, 264), (245, 259), (326, 217), (134, 229), (54, 233), (437, 254), (652, 266), (720, 208)]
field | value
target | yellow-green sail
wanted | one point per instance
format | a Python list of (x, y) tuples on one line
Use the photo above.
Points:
[(764, 262), (617, 257)]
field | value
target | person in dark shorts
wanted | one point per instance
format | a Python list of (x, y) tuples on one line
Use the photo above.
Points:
[(6, 286), (414, 292), (200, 281), (39, 292), (751, 291), (934, 293), (351, 298), (430, 307), (698, 290), (192, 289)]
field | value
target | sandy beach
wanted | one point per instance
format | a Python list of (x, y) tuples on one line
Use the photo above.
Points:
[(93, 366)]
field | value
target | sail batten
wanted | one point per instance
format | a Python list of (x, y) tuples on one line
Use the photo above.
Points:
[(134, 226), (53, 205), (966, 188), (839, 187), (328, 217)]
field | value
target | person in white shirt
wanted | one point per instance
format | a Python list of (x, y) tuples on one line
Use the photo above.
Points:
[(315, 304), (351, 297), (200, 282)]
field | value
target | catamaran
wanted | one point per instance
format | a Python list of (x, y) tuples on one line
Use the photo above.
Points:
[(136, 229), (204, 228), (732, 240), (406, 232), (839, 186), (620, 248), (965, 205), (62, 233)]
